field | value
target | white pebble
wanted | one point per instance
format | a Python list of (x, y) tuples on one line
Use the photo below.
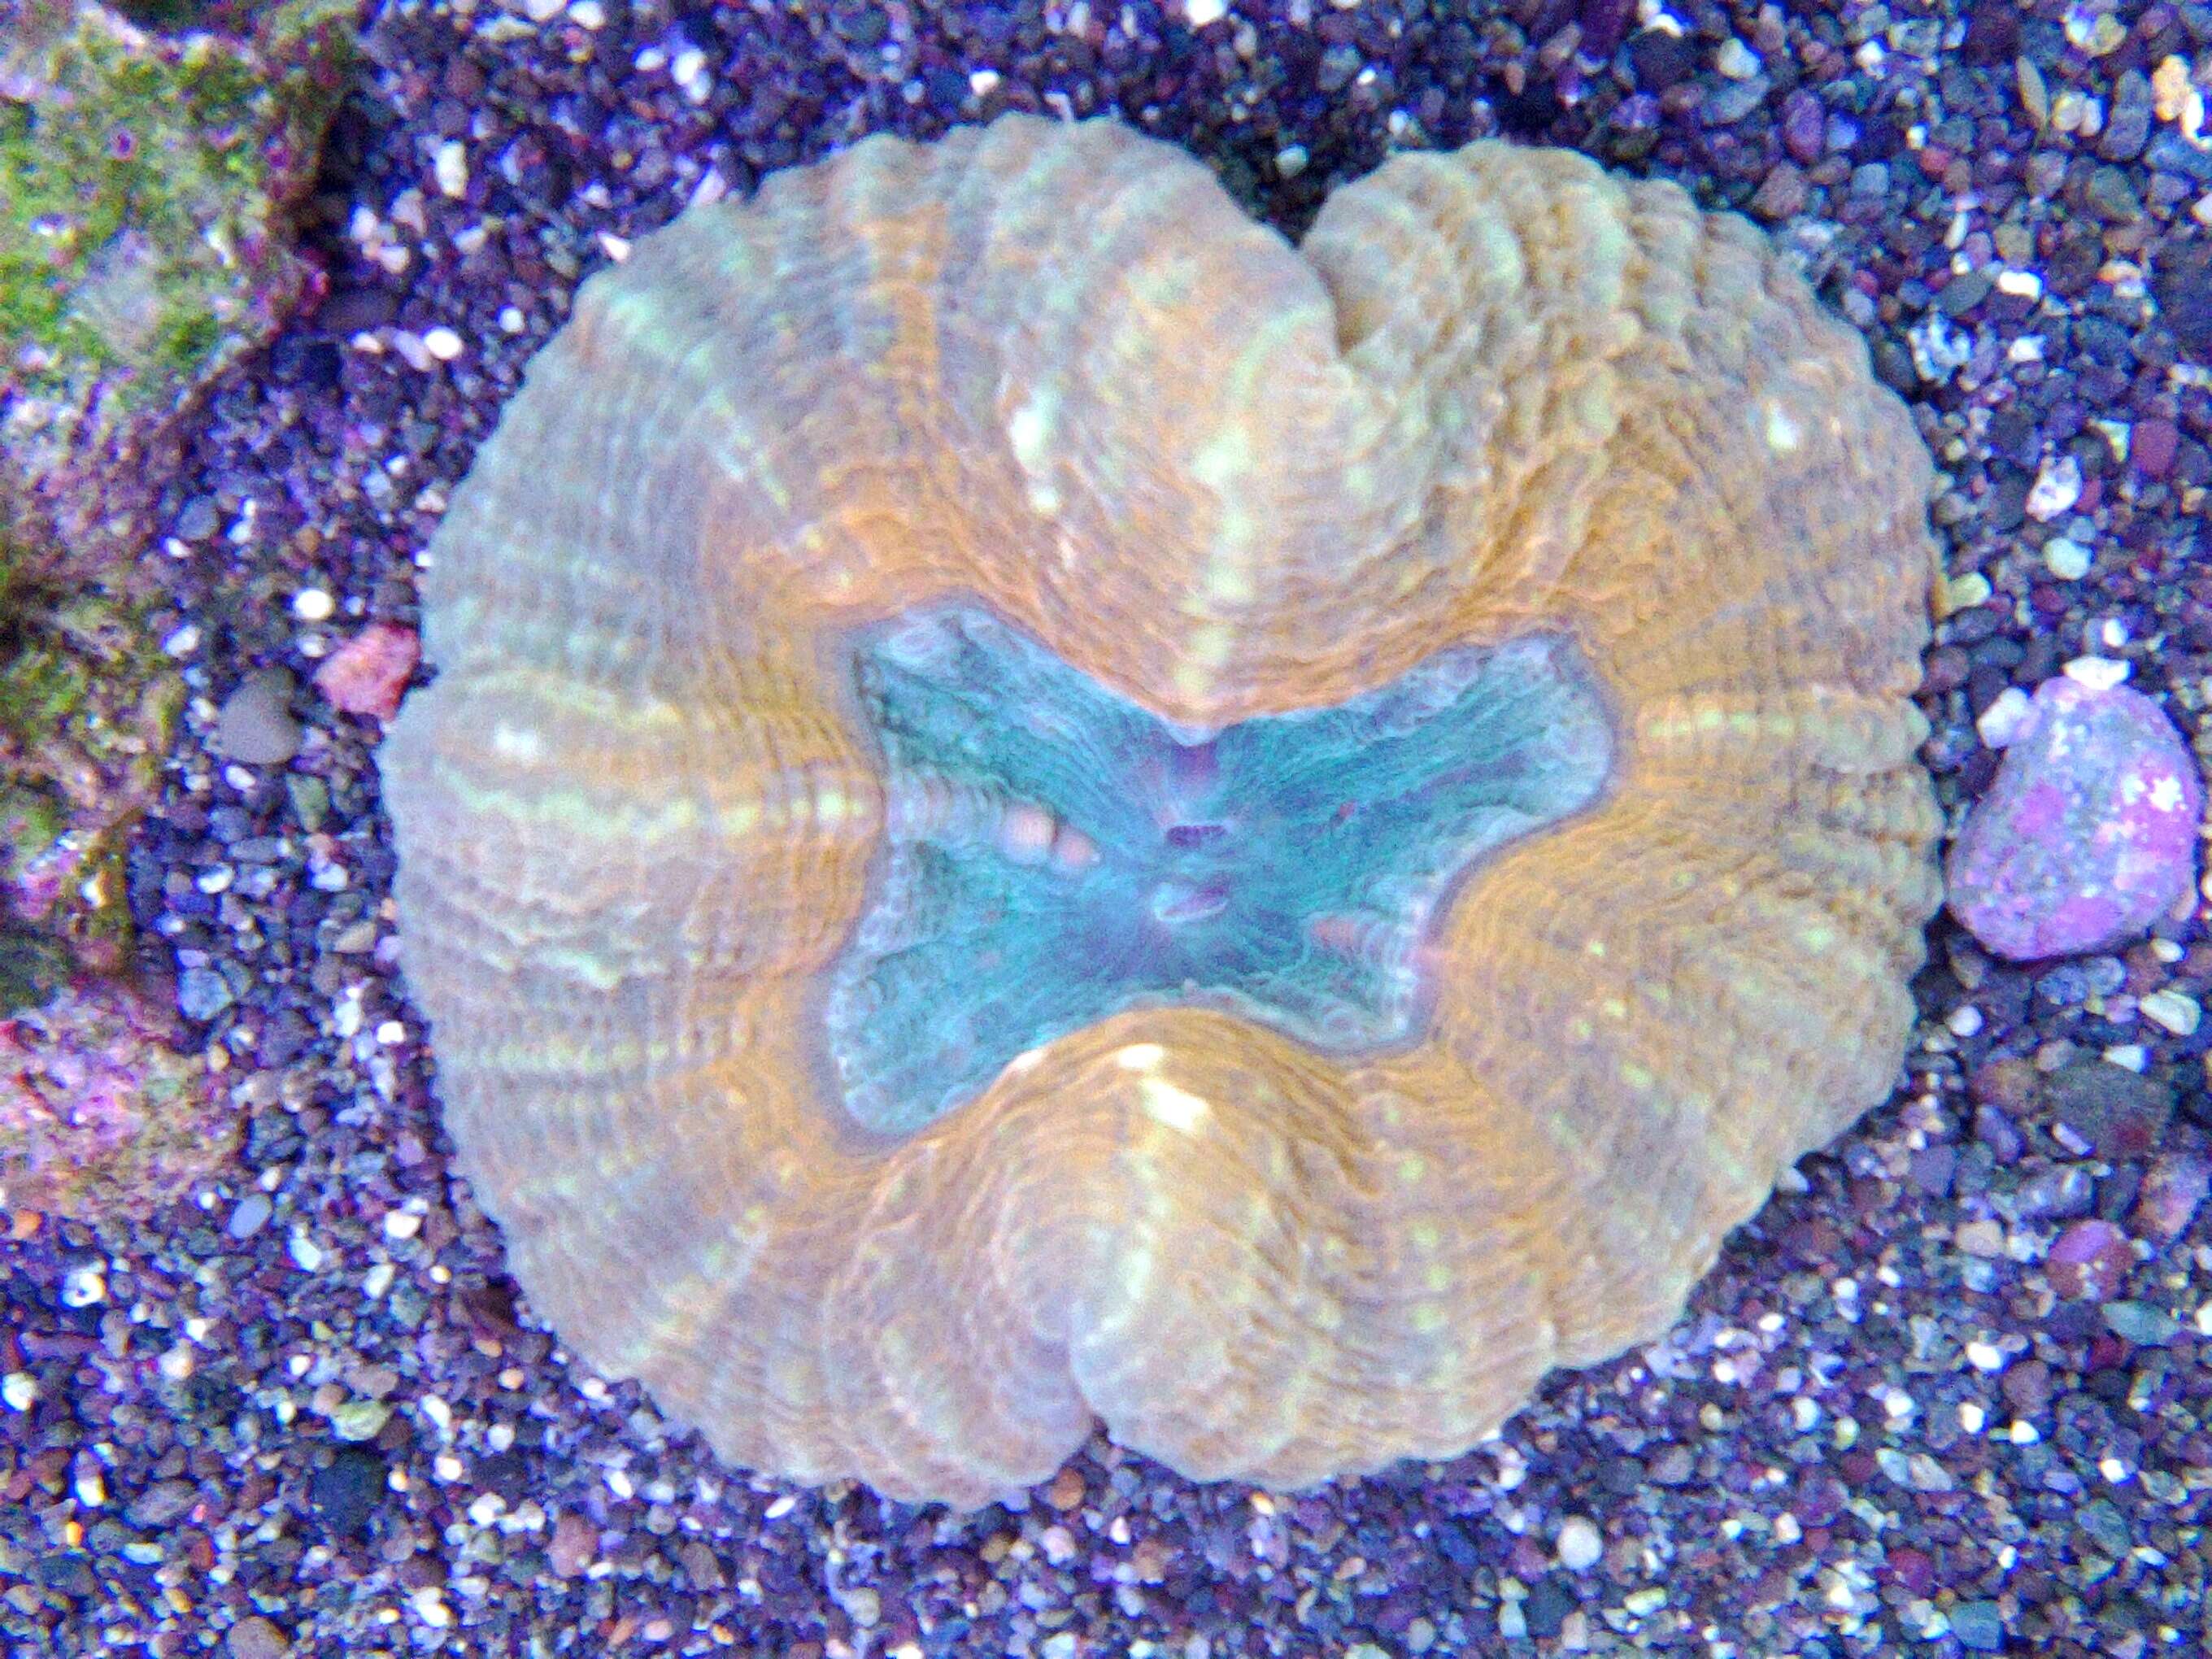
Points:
[(688, 66), (1965, 1020), (19, 1390), (982, 83), (84, 1286), (2057, 486), (2006, 717), (2178, 1013), (617, 248), (589, 14), (451, 167), (442, 343), (2066, 559), (1202, 12), (541, 11), (1580, 1543), (313, 604), (306, 1253), (1984, 1356), (1964, 592), (2097, 673), (401, 1223), (1736, 61)]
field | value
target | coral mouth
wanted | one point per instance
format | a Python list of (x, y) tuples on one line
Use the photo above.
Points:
[(1056, 855)]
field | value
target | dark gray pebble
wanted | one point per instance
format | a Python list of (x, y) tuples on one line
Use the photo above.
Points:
[(2127, 124), (254, 726), (346, 1494), (1978, 1626)]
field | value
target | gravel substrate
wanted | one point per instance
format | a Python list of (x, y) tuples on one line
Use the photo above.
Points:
[(1949, 1394)]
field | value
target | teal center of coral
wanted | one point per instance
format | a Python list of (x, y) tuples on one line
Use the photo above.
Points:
[(1054, 854)]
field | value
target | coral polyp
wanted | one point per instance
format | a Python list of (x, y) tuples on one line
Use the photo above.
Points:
[(1039, 808)]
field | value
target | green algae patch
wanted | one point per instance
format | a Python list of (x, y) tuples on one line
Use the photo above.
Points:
[(146, 184)]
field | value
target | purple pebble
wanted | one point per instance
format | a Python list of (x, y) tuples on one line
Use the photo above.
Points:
[(2089, 832)]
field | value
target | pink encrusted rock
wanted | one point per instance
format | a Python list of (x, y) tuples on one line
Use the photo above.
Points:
[(2089, 832), (367, 675), (101, 1116)]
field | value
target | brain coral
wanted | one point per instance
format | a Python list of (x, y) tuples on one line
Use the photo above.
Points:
[(1040, 807)]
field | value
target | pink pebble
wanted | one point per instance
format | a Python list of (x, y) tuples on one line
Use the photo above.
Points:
[(2089, 834), (367, 675), (2087, 1260)]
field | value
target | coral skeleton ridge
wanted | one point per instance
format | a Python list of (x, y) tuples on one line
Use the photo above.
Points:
[(1041, 808)]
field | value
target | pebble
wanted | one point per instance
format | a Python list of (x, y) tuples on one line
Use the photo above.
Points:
[(2087, 1260), (346, 1494), (2058, 486), (255, 1638), (2173, 1189), (202, 993), (367, 675), (251, 1215), (2172, 1009), (451, 168), (254, 726), (2140, 1323), (1580, 1543), (2181, 283), (573, 1547), (360, 1419), (2097, 673), (2089, 834), (2127, 124), (2004, 719), (2112, 1111), (2065, 558), (1979, 1625), (1736, 60)]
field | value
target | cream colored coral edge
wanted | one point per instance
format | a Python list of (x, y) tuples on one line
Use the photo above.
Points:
[(1053, 369)]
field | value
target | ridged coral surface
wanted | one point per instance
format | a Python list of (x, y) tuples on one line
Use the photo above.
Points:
[(1051, 374)]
